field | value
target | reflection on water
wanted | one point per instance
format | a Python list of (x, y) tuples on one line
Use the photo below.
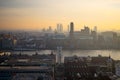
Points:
[(115, 54)]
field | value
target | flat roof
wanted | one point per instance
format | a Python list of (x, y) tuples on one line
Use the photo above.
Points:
[(23, 67)]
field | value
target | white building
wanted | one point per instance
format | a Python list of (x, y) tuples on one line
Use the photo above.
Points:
[(59, 55), (59, 28)]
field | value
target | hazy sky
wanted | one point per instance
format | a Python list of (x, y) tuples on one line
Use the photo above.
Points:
[(38, 14)]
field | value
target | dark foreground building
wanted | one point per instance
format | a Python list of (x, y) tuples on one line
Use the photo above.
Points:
[(26, 67), (76, 69), (88, 68)]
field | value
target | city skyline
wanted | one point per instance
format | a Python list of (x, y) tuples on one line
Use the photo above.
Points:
[(39, 14)]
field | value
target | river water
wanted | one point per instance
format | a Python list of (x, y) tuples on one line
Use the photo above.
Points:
[(115, 54)]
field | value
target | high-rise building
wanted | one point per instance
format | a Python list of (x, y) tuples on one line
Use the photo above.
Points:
[(50, 29), (95, 28), (71, 29), (59, 28), (68, 28), (86, 30)]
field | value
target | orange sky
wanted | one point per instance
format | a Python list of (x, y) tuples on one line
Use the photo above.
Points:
[(38, 14)]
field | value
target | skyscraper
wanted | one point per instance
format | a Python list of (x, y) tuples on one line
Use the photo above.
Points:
[(95, 28), (68, 28), (71, 29), (59, 28)]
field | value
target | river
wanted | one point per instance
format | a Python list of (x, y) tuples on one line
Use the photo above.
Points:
[(115, 54)]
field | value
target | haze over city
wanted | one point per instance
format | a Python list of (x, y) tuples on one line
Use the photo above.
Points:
[(38, 14), (59, 39)]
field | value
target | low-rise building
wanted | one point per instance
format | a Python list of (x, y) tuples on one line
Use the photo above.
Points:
[(117, 69), (28, 67), (76, 68)]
